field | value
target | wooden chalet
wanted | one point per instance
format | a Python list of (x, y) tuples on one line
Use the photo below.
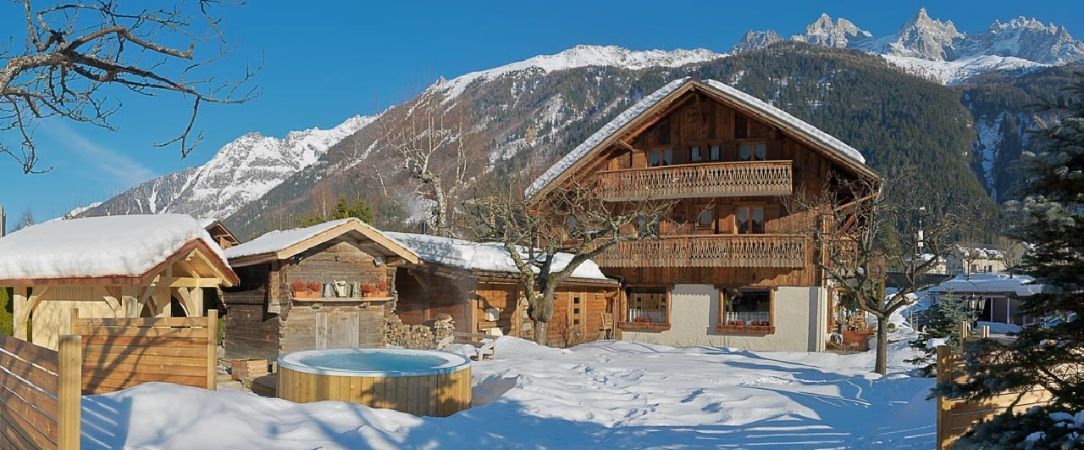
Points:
[(477, 285), (265, 313), (108, 267), (734, 266)]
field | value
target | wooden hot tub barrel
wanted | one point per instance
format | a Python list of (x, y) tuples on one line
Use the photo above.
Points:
[(440, 394)]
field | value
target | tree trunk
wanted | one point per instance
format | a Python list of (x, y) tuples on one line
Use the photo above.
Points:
[(540, 332), (880, 365)]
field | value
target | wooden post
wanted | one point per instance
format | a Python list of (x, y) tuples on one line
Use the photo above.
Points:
[(212, 350), (73, 322), (965, 332), (944, 353), (69, 393), (984, 331), (20, 304)]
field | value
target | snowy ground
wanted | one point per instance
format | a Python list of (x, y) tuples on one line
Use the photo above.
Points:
[(603, 394)]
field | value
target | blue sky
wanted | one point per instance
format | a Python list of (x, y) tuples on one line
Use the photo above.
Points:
[(326, 61)]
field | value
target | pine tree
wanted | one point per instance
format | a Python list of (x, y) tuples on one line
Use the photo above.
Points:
[(1051, 218), (944, 324)]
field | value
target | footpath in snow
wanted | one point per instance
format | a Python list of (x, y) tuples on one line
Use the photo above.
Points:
[(607, 394)]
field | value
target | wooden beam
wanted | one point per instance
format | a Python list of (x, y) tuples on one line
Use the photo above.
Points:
[(23, 316), (19, 308)]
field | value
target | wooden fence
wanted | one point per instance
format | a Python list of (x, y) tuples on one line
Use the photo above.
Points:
[(40, 399), (956, 417), (121, 353)]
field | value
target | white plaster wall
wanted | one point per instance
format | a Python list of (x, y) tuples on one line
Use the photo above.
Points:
[(800, 321)]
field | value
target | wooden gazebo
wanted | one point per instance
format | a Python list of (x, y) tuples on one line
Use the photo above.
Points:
[(108, 267)]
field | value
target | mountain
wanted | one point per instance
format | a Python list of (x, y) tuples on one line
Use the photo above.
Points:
[(937, 50), (521, 118), (753, 40), (841, 34), (240, 172)]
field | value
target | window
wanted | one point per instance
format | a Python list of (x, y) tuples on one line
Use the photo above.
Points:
[(647, 308), (750, 219), (576, 310), (694, 154), (647, 225), (741, 126), (661, 158), (706, 218), (753, 152), (746, 311), (715, 154)]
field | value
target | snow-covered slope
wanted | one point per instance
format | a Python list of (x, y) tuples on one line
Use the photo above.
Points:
[(241, 171), (582, 56)]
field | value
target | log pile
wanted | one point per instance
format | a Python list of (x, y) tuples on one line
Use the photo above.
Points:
[(402, 335)]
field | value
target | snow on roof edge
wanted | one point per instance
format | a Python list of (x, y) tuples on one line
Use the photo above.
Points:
[(480, 256), (276, 240)]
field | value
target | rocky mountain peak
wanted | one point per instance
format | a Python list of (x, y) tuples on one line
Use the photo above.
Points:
[(840, 34), (753, 40), (926, 38)]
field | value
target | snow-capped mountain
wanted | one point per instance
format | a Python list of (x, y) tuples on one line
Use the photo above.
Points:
[(241, 171), (937, 50), (582, 56)]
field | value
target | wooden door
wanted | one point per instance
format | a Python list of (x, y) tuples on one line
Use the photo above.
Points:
[(336, 329)]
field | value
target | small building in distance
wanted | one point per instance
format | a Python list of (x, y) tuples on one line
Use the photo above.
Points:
[(274, 311), (477, 284), (108, 267), (971, 259), (996, 296)]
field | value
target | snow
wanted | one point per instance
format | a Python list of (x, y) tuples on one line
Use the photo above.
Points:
[(120, 246), (275, 241), (606, 394), (486, 257), (956, 71), (999, 328), (636, 110), (581, 56), (1020, 285)]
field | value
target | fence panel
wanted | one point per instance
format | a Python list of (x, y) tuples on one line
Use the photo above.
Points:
[(40, 399), (121, 353)]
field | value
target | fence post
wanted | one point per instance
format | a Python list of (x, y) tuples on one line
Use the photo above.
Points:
[(69, 392), (944, 353), (212, 349), (73, 324)]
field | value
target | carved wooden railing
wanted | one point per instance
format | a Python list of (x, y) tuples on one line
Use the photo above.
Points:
[(714, 250), (720, 179)]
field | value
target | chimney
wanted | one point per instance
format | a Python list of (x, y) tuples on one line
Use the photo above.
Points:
[(3, 222)]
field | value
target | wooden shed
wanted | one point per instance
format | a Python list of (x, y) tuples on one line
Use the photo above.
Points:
[(108, 267), (477, 285), (266, 315)]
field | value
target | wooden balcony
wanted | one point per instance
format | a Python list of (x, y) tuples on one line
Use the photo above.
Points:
[(716, 179), (710, 250)]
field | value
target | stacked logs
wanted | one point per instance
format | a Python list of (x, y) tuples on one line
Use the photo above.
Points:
[(402, 335)]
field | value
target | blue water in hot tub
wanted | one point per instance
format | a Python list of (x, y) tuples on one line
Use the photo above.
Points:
[(374, 362)]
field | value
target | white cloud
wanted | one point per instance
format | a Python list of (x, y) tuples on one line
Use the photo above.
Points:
[(109, 161)]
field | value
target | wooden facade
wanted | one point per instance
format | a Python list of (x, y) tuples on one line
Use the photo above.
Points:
[(735, 168), (264, 318), (493, 303)]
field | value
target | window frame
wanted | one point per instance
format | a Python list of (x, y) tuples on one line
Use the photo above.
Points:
[(721, 325), (651, 327), (751, 207), (755, 153)]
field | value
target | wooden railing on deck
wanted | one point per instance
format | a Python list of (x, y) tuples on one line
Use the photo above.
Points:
[(717, 179), (713, 250)]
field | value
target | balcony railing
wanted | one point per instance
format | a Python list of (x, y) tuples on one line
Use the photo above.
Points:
[(720, 179), (715, 250)]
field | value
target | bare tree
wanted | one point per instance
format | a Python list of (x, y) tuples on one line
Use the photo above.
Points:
[(860, 233), (431, 146), (25, 220), (550, 239), (77, 54)]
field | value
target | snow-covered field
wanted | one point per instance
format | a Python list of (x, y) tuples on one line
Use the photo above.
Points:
[(607, 394)]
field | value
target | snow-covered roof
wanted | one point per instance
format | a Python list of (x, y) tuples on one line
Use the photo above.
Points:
[(274, 242), (97, 247), (629, 115), (484, 257), (979, 252), (1020, 285)]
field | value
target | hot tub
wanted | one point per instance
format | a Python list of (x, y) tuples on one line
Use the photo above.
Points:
[(418, 382)]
